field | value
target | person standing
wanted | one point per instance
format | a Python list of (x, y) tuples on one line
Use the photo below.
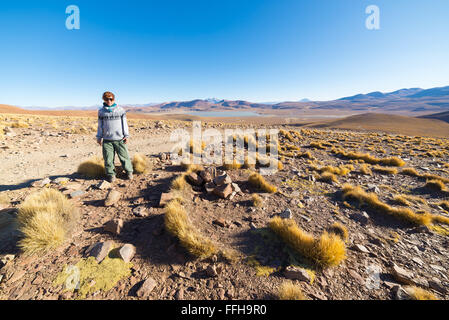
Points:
[(113, 135)]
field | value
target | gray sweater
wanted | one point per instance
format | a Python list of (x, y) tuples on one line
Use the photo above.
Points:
[(112, 125)]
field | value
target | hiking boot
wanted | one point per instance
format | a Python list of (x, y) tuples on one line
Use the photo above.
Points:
[(129, 175), (110, 179)]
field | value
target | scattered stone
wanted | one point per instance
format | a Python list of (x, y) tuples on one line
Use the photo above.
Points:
[(360, 217), (220, 222), (210, 186), (179, 295), (165, 198), (308, 219), (223, 190), (206, 176), (6, 258), (100, 250), (360, 248), (286, 214), (211, 271), (399, 293), (223, 180), (140, 211), (195, 179), (113, 226), (61, 180), (356, 276), (41, 183), (402, 275), (104, 185), (76, 194), (235, 187), (252, 225), (17, 276), (112, 198), (127, 252), (72, 186), (436, 285), (296, 273), (147, 286)]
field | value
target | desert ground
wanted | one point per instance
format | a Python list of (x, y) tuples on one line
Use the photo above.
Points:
[(354, 211)]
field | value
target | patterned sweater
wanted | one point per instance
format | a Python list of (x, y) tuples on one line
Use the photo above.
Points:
[(112, 125)]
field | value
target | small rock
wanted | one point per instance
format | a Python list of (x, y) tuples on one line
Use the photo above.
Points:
[(223, 180), (223, 191), (296, 273), (179, 295), (112, 198), (286, 214), (194, 179), (220, 222), (360, 248), (104, 185), (61, 180), (76, 194), (147, 286), (127, 252), (206, 176), (165, 198), (210, 186), (402, 275), (41, 183), (140, 211), (235, 187), (100, 250), (114, 226), (211, 271)]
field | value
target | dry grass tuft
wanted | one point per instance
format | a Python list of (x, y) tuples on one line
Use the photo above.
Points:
[(46, 219), (140, 163), (384, 170), (371, 200), (290, 291), (257, 200), (179, 183), (233, 166), (259, 182), (435, 185), (401, 200), (328, 177), (178, 224), (365, 169), (92, 168), (419, 294), (340, 230), (326, 251), (391, 161)]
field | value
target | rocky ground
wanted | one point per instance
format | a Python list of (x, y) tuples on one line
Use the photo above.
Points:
[(383, 253)]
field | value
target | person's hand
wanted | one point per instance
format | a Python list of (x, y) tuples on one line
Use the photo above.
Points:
[(99, 141), (125, 140)]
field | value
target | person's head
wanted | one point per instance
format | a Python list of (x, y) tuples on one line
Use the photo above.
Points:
[(108, 98)]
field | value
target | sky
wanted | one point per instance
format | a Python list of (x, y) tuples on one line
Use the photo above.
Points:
[(255, 50)]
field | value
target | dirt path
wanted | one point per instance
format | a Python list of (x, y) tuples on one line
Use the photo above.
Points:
[(31, 156)]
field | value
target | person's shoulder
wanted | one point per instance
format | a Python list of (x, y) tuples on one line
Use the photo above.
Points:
[(120, 109)]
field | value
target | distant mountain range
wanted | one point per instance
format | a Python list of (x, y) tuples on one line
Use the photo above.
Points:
[(413, 100)]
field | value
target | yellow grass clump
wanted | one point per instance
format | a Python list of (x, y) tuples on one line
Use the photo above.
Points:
[(290, 291), (328, 177), (179, 183), (391, 161), (401, 200), (444, 205), (365, 169), (178, 224), (257, 200), (233, 166), (417, 293), (384, 170), (46, 219), (371, 200), (92, 168), (325, 251), (140, 163), (259, 182), (340, 230), (436, 185)]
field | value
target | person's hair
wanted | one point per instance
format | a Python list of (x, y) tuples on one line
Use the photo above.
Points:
[(108, 94)]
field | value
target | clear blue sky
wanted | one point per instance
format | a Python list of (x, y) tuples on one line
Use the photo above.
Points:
[(256, 50)]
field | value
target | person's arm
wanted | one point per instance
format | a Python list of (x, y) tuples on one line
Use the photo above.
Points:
[(99, 129), (125, 128)]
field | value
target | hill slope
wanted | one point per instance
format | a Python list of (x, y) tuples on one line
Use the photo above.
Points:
[(389, 123)]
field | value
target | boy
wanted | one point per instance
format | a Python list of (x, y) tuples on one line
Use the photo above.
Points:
[(113, 130)]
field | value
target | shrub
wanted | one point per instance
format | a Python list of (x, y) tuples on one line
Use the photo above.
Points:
[(391, 161), (178, 224), (46, 219), (401, 200), (328, 177), (325, 251), (290, 291), (140, 163), (92, 168), (259, 182), (365, 169), (387, 170), (419, 294)]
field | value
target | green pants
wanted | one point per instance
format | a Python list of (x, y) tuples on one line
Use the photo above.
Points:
[(109, 149)]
